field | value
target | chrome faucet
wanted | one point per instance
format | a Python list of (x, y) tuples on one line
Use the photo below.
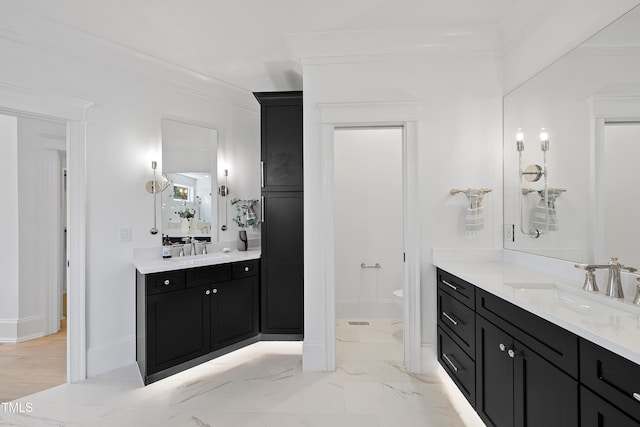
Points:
[(590, 284), (636, 300), (614, 284)]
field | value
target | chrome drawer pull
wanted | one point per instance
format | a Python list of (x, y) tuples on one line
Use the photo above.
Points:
[(449, 318), (262, 174), (455, 288), (636, 396), (455, 368)]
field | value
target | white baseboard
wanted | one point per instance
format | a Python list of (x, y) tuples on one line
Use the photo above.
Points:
[(313, 357), (8, 330), (18, 330), (111, 355), (430, 364), (30, 328)]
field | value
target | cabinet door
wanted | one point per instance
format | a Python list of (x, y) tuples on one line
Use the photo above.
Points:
[(178, 328), (281, 140), (543, 394), (597, 412), (234, 312), (494, 374), (282, 264)]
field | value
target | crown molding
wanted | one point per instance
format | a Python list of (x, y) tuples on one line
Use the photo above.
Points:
[(31, 30), (417, 44)]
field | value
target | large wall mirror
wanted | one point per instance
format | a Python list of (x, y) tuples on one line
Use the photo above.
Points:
[(573, 193), (189, 158)]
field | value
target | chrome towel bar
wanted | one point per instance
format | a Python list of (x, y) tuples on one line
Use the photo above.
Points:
[(363, 265)]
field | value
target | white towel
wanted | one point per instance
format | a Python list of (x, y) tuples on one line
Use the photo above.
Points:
[(546, 208), (474, 216)]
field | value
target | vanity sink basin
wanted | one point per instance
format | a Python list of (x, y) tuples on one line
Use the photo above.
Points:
[(558, 298), (199, 259), (532, 285)]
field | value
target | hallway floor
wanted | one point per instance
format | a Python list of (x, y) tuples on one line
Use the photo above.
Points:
[(260, 385), (31, 366)]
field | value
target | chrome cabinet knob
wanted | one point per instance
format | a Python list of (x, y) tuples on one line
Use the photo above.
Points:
[(167, 282), (208, 292), (215, 291), (512, 354), (502, 347), (246, 269)]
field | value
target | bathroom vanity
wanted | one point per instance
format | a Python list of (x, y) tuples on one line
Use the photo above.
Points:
[(193, 309), (525, 349)]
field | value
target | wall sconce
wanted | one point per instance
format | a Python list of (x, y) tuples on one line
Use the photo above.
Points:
[(154, 187), (534, 173), (223, 191)]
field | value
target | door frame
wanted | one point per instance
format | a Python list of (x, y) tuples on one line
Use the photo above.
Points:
[(19, 101), (605, 109), (375, 114)]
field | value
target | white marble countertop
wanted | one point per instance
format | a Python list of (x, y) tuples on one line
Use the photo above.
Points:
[(610, 323), (146, 265)]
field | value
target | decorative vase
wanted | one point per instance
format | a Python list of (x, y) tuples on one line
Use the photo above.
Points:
[(185, 226), (243, 242)]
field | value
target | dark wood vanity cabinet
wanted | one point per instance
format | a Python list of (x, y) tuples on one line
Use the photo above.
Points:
[(185, 317), (516, 369), (282, 266)]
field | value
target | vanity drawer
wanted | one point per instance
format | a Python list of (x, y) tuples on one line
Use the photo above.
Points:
[(456, 287), (245, 268), (207, 275), (165, 282), (611, 376), (460, 367), (597, 412), (458, 320)]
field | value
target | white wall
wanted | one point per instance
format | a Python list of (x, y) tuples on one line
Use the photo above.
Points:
[(368, 221), (9, 218), (535, 34), (131, 94), (34, 154), (460, 145)]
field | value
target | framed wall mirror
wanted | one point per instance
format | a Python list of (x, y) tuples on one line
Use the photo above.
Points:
[(588, 103), (189, 158)]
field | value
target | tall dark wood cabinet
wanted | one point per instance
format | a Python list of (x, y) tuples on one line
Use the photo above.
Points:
[(282, 265)]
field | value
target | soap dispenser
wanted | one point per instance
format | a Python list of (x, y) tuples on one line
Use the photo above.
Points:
[(167, 247)]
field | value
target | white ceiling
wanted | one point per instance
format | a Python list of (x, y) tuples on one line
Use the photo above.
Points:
[(255, 44)]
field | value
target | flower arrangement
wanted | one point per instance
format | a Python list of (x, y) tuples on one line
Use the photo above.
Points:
[(186, 213), (245, 213)]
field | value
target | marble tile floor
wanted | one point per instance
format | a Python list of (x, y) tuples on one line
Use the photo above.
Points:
[(261, 385)]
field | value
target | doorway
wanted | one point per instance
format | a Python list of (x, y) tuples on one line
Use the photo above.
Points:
[(619, 148), (35, 332), (16, 100), (320, 317), (368, 236)]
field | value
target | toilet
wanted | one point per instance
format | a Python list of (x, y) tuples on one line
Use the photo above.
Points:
[(397, 302)]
